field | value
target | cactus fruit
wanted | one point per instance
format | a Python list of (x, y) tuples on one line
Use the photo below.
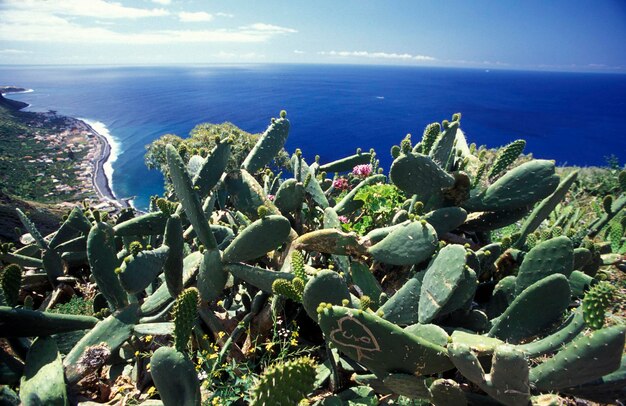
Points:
[(289, 289), (285, 382), (184, 313), (10, 283), (506, 156), (596, 302), (175, 378)]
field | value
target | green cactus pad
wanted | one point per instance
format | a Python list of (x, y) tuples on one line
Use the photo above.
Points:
[(407, 385), (146, 224), (43, 382), (446, 219), (543, 209), (366, 281), (185, 313), (533, 310), (258, 239), (446, 392), (518, 188), (403, 307), (212, 168), (30, 227), (596, 303), (32, 323), (112, 331), (417, 174), (555, 256), (506, 156), (407, 245), (175, 377), (326, 286), (285, 383), (173, 266), (289, 196), (584, 359), (443, 279), (379, 345), (580, 282), (330, 241), (444, 145), (10, 283), (269, 144), (258, 277), (138, 273), (301, 172), (429, 332), (189, 198), (211, 276), (566, 333), (347, 164)]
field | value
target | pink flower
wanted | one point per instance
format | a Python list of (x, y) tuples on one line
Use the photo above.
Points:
[(343, 219), (362, 171), (271, 198), (340, 183)]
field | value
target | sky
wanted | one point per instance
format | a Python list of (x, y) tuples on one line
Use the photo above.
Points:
[(562, 35)]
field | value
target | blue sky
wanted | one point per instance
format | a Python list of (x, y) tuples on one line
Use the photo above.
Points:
[(580, 35)]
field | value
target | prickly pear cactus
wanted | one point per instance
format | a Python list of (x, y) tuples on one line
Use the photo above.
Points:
[(185, 313), (10, 282), (285, 383), (596, 302)]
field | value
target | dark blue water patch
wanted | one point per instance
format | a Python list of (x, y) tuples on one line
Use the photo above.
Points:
[(570, 117)]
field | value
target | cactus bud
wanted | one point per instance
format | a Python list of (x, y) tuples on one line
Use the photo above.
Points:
[(283, 114), (262, 211), (607, 202), (596, 302), (395, 151), (456, 117), (135, 248), (358, 151), (405, 145)]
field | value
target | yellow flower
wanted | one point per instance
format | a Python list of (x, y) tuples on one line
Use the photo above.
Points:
[(294, 342), (220, 303), (269, 345), (221, 334), (251, 350), (212, 356), (216, 401), (151, 391), (205, 337), (136, 353), (148, 338)]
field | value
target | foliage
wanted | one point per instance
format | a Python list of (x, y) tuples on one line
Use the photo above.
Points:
[(380, 202)]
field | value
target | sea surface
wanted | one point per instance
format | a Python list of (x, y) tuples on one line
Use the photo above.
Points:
[(573, 118)]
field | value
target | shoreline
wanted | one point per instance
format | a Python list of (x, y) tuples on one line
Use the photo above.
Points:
[(100, 179)]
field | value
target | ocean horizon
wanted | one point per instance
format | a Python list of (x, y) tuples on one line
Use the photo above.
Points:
[(333, 109)]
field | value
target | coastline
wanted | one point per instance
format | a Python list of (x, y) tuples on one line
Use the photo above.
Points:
[(100, 179)]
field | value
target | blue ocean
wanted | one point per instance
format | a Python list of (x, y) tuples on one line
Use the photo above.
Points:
[(573, 118)]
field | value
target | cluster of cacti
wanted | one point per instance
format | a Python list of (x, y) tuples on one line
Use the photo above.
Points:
[(400, 307)]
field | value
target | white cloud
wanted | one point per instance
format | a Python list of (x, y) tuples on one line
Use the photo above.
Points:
[(232, 55), (298, 52), (163, 2), (41, 27), (39, 21), (82, 8), (377, 55), (13, 52), (269, 28), (199, 16), (227, 15)]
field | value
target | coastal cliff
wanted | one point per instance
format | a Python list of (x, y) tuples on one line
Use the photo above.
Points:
[(11, 104)]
